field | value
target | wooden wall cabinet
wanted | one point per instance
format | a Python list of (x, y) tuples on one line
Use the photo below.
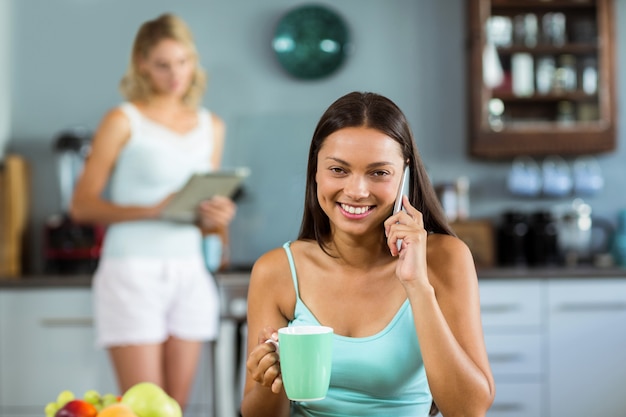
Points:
[(541, 77)]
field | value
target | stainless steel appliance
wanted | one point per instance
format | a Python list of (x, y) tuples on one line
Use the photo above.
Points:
[(580, 235), (230, 351)]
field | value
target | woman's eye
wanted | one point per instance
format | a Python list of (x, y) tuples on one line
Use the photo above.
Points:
[(337, 170), (380, 173)]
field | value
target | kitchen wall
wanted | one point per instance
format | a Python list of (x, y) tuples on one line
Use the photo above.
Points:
[(5, 78), (67, 57)]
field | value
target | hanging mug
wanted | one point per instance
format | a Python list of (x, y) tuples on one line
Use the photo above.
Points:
[(524, 178), (588, 179), (557, 179)]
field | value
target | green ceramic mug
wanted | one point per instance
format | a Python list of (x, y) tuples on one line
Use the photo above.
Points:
[(305, 361)]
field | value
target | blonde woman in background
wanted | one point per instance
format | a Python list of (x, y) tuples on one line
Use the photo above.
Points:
[(155, 302)]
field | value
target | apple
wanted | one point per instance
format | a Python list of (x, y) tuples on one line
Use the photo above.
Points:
[(77, 408), (149, 400), (172, 409)]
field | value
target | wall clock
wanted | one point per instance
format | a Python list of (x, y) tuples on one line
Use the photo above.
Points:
[(310, 42)]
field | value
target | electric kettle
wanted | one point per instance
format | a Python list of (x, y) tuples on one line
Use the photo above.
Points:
[(581, 236)]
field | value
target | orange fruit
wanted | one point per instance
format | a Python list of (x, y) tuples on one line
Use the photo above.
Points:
[(117, 410)]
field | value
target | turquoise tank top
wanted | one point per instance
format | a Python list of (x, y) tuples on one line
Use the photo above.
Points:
[(379, 375)]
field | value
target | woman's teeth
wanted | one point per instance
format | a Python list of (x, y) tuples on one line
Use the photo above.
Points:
[(354, 210)]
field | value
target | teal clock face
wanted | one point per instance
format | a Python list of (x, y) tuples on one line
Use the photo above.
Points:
[(310, 42)]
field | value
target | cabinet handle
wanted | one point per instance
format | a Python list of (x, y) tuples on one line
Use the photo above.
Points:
[(505, 357), (506, 407), (67, 322), (592, 306), (499, 308)]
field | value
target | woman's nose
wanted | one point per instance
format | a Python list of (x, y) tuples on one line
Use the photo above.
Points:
[(356, 187)]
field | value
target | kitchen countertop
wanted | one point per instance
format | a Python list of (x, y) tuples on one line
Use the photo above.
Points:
[(84, 280), (581, 271), (239, 277)]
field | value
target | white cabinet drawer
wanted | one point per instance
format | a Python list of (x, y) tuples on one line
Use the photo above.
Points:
[(506, 303), (517, 400), (47, 345), (592, 296), (515, 354), (587, 354)]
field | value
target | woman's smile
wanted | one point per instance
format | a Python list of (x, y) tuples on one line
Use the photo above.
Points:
[(355, 212)]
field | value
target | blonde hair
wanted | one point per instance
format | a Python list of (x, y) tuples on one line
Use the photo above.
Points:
[(136, 86)]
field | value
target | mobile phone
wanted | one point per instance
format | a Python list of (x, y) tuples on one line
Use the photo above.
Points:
[(403, 189)]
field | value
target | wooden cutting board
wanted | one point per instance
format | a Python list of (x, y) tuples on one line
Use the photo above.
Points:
[(479, 236), (14, 210)]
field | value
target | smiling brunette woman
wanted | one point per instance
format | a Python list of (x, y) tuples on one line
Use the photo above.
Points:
[(407, 323)]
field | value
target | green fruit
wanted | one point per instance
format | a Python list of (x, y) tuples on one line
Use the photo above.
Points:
[(172, 409), (108, 399), (51, 409), (149, 400), (92, 397), (64, 397)]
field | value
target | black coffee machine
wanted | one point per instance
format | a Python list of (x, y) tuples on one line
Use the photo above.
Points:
[(70, 247)]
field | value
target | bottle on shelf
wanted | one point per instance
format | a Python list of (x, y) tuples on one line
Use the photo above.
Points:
[(565, 75)]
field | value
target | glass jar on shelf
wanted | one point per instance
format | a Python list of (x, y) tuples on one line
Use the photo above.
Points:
[(590, 75), (565, 78), (545, 74), (565, 112)]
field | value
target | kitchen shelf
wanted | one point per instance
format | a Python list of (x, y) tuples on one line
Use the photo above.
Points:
[(562, 119)]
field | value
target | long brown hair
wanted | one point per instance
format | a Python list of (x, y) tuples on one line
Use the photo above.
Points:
[(134, 85), (365, 109)]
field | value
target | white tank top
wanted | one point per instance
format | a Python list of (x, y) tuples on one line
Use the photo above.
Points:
[(155, 162)]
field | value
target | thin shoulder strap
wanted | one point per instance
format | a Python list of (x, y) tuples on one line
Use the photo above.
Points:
[(292, 266), (133, 114)]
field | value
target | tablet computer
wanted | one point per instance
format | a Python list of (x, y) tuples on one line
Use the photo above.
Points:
[(183, 207)]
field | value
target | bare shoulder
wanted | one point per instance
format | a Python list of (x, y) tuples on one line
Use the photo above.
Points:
[(217, 120), (218, 123), (115, 126), (271, 280), (266, 267), (116, 117), (450, 261), (112, 134)]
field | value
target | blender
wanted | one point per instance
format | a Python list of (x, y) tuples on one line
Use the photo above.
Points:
[(70, 247)]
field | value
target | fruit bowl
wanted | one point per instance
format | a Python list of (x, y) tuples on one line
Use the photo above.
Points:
[(144, 399)]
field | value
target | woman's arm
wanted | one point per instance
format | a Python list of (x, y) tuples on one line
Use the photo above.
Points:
[(438, 274), (87, 203), (450, 332), (269, 289), (219, 134)]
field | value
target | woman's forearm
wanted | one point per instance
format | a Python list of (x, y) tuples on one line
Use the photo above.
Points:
[(103, 212), (458, 385)]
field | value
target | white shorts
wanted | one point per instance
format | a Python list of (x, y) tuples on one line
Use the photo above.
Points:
[(144, 301)]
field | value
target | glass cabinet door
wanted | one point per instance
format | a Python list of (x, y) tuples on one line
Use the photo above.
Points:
[(541, 77)]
